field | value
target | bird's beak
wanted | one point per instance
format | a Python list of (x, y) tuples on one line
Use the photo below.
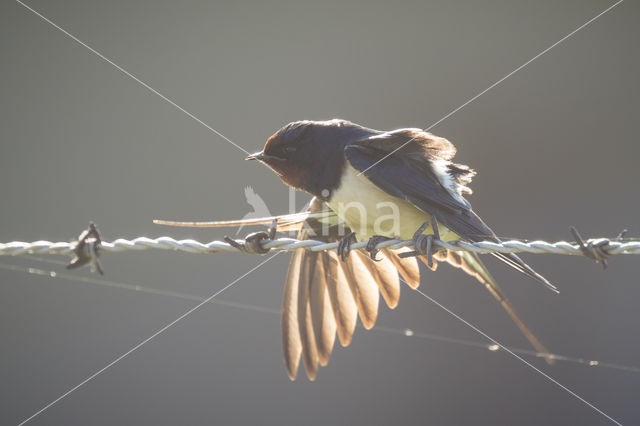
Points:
[(265, 158), (256, 156)]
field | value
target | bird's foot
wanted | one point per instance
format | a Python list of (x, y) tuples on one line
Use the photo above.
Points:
[(253, 243), (424, 244), (371, 246), (344, 246)]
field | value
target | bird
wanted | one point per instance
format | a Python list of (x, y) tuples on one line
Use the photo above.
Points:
[(342, 164), (359, 179)]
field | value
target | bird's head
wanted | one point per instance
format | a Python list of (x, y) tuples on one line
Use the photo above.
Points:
[(309, 155)]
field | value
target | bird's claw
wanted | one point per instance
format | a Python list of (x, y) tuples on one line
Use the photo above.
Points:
[(371, 246), (424, 244), (344, 246)]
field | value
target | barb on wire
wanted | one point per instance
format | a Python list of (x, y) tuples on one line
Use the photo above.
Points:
[(90, 244), (253, 243), (598, 249), (86, 250)]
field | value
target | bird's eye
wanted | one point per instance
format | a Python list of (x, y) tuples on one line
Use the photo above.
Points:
[(290, 148)]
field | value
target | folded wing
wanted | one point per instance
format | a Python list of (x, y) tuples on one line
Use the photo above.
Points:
[(415, 166)]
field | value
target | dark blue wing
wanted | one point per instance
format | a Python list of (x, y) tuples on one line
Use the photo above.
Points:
[(408, 174), (403, 177), (411, 177)]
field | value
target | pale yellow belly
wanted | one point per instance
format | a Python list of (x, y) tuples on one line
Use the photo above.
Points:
[(368, 210)]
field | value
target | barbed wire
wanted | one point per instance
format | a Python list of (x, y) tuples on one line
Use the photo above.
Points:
[(89, 245), (16, 248)]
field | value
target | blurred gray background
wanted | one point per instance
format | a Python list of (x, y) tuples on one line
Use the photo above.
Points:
[(554, 145)]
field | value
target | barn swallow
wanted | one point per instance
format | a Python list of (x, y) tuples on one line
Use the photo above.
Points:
[(351, 171)]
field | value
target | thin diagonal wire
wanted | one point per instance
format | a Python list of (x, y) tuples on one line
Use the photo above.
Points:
[(163, 329), (127, 73), (498, 82), (509, 351), (381, 328), (124, 286)]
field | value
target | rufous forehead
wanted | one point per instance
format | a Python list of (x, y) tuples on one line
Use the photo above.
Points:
[(272, 137)]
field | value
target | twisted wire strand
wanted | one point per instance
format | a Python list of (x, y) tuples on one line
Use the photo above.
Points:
[(613, 247)]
